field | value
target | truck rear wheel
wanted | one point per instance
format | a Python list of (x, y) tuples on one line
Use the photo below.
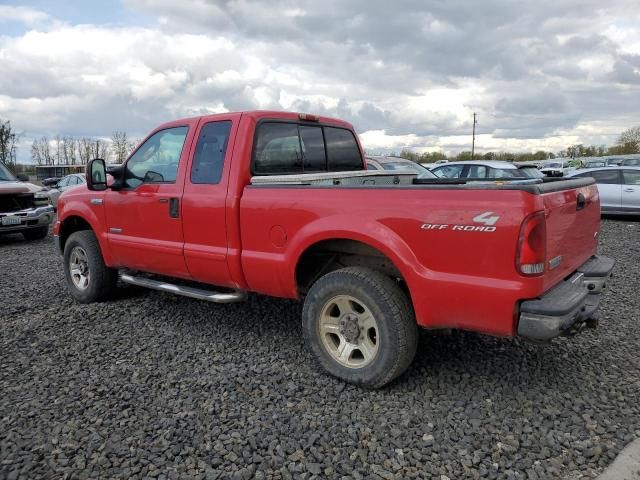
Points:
[(88, 278), (360, 326)]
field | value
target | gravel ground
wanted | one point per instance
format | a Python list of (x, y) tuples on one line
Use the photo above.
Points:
[(156, 386)]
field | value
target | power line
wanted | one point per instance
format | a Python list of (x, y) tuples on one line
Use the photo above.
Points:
[(473, 139)]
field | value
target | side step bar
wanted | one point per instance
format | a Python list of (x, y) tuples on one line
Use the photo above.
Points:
[(192, 292)]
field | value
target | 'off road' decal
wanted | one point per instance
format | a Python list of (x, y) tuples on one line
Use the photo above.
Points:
[(486, 218)]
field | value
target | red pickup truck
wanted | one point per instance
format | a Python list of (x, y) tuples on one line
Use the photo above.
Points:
[(282, 204)]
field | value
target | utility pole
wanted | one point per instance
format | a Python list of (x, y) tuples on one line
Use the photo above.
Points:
[(473, 140)]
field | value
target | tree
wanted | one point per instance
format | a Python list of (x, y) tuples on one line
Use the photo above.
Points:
[(68, 151), (8, 144), (121, 146), (466, 155), (630, 139), (41, 153)]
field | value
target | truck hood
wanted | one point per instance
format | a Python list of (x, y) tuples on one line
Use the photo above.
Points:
[(18, 187)]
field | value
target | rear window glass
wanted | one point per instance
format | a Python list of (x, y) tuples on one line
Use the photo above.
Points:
[(283, 148), (342, 150), (313, 151), (278, 149)]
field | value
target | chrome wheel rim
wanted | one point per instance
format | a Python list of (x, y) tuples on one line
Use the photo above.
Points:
[(349, 331), (79, 268)]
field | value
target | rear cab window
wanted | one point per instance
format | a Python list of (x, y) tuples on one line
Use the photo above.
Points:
[(295, 148)]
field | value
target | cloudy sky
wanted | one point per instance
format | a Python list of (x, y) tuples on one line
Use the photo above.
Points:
[(407, 73)]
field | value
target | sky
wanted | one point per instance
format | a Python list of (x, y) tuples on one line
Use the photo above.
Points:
[(408, 74)]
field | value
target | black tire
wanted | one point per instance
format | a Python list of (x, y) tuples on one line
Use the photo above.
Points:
[(396, 325), (101, 279), (36, 233)]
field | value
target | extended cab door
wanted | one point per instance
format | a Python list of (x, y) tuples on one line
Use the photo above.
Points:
[(204, 203), (144, 221)]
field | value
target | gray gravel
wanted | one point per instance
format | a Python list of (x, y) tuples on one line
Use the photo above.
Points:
[(155, 386)]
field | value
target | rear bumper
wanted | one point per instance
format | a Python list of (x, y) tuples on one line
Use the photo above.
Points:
[(568, 306), (31, 218)]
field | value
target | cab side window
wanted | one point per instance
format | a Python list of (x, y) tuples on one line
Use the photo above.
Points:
[(211, 148), (156, 161)]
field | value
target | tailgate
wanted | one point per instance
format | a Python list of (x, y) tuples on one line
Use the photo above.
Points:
[(572, 223)]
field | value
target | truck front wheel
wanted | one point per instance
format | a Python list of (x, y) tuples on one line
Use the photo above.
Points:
[(360, 326), (88, 278)]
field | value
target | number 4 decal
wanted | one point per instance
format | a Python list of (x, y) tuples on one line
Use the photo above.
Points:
[(486, 218)]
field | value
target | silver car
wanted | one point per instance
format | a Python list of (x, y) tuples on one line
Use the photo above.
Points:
[(64, 184), (619, 188), (397, 163), (492, 169)]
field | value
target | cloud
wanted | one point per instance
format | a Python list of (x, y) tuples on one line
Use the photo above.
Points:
[(408, 74), (25, 15)]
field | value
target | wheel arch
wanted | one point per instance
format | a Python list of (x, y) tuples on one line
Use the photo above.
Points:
[(75, 221), (382, 250)]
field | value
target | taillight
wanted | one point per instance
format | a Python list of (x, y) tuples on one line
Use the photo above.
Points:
[(531, 255)]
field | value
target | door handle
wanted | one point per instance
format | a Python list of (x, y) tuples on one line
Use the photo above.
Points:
[(174, 207), (629, 189), (164, 200)]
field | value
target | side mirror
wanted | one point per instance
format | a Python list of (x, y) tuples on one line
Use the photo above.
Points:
[(96, 175), (22, 177)]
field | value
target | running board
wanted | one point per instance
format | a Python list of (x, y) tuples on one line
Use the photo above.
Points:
[(192, 292)]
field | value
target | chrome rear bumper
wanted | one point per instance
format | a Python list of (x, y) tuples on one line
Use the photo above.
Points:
[(569, 306)]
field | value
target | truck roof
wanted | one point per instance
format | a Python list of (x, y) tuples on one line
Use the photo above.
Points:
[(263, 114)]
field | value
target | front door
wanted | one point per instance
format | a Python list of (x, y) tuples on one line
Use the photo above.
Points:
[(144, 222), (609, 187), (631, 190), (205, 211)]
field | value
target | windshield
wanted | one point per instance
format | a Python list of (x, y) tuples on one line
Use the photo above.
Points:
[(6, 175), (422, 172), (532, 172), (632, 162), (552, 165)]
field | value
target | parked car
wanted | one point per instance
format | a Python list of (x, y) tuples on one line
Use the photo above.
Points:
[(595, 164), (282, 204), (64, 184), (397, 163), (438, 162), (480, 169), (631, 162), (49, 182), (619, 188), (24, 207), (614, 161), (553, 168)]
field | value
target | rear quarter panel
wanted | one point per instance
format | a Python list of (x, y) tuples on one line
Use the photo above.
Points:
[(457, 278)]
